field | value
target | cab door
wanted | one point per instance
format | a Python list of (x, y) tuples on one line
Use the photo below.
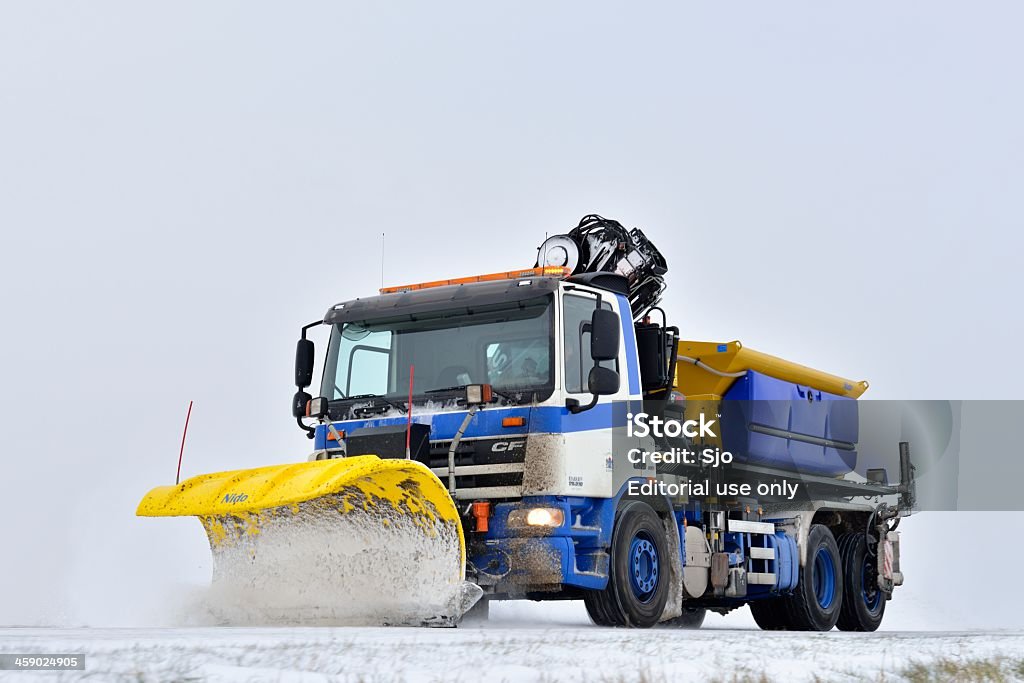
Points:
[(589, 458)]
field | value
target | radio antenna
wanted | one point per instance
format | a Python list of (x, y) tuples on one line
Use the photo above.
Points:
[(382, 260), (181, 451), (408, 412)]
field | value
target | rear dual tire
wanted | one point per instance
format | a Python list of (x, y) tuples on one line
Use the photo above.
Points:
[(863, 601), (816, 602), (818, 596), (638, 577), (837, 587)]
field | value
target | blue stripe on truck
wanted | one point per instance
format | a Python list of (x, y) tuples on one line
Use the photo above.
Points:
[(538, 420), (629, 339)]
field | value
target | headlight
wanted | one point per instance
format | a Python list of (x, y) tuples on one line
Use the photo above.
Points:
[(317, 407), (551, 517)]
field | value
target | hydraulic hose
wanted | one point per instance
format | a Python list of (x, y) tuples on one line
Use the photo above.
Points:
[(455, 444), (704, 366)]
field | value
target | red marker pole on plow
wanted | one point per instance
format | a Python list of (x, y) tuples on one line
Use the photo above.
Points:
[(181, 451), (408, 412)]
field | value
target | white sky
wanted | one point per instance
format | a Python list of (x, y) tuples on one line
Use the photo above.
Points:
[(183, 186)]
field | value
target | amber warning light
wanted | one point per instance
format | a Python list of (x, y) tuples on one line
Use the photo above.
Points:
[(546, 271)]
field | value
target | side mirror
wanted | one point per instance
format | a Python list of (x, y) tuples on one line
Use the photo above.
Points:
[(602, 381), (304, 353), (604, 335), (299, 402)]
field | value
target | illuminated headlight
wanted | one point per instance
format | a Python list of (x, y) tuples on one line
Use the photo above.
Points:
[(536, 517)]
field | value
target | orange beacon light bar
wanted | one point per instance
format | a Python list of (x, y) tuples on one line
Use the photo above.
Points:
[(544, 271)]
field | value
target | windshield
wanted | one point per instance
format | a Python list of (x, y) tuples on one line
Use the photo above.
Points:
[(509, 346)]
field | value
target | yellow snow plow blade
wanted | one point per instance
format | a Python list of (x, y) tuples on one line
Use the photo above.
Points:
[(349, 540), (361, 481)]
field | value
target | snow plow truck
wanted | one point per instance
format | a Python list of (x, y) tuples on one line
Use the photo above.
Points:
[(486, 438)]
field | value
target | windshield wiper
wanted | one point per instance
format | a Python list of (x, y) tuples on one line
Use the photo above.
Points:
[(385, 399), (460, 387)]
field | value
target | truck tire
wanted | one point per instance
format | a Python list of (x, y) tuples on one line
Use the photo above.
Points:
[(818, 596), (638, 578), (863, 601), (691, 618), (769, 614)]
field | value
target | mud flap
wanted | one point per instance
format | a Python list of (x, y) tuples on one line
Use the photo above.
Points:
[(674, 604)]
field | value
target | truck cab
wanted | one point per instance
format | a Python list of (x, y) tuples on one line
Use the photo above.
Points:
[(528, 338)]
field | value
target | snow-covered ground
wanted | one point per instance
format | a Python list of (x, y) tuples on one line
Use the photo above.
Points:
[(514, 646)]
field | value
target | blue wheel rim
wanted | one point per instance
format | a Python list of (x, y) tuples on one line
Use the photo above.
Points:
[(644, 567), (824, 577), (869, 589)]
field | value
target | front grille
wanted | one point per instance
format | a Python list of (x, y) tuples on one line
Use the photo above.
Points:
[(481, 452)]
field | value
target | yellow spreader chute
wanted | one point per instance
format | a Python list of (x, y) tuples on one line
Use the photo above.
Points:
[(349, 540)]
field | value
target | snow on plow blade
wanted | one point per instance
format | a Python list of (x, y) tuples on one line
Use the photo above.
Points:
[(359, 540)]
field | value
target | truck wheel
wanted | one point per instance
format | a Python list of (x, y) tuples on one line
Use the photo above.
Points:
[(692, 617), (638, 578), (769, 614), (598, 610), (863, 601), (818, 596)]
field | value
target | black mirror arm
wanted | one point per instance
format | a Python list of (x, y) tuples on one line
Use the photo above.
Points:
[(310, 431), (575, 407), (310, 326)]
